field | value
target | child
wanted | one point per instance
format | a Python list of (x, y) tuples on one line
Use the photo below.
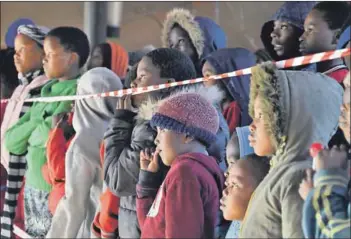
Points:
[(236, 100), (194, 36), (330, 198), (280, 35), (83, 180), (324, 22), (243, 177), (186, 124), (66, 51), (290, 110), (129, 131), (110, 55), (238, 146)]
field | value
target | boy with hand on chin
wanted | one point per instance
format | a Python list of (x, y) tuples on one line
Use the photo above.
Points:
[(186, 203)]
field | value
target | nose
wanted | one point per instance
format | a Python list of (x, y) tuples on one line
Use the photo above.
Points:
[(157, 141), (302, 37), (274, 33), (252, 127), (225, 192)]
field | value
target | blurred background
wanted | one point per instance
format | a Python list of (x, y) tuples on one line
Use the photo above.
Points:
[(135, 23)]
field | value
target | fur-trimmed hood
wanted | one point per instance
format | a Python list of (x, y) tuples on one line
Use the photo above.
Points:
[(299, 108), (204, 33), (212, 94)]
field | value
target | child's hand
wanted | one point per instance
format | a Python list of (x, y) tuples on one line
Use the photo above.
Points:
[(306, 185), (125, 103), (332, 158), (149, 161)]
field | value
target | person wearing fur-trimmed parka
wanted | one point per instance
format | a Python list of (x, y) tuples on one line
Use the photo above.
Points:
[(290, 111), (195, 36), (75, 212)]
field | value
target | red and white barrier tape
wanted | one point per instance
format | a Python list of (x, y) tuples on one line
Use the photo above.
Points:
[(19, 232), (293, 62)]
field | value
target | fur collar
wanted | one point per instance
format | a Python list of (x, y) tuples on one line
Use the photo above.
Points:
[(186, 20), (212, 94)]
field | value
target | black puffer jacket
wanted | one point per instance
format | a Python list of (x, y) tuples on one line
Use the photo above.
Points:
[(127, 135)]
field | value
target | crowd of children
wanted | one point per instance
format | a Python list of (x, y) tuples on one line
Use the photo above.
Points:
[(224, 158)]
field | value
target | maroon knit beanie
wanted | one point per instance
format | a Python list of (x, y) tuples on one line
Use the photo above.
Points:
[(188, 113)]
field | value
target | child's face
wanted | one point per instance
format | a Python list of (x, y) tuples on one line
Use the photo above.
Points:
[(318, 37), (147, 74), (285, 39), (259, 138), (96, 58), (240, 185), (207, 71), (169, 144), (233, 149), (180, 40), (57, 61), (344, 120), (29, 56)]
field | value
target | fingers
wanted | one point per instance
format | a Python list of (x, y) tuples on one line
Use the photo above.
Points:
[(309, 174)]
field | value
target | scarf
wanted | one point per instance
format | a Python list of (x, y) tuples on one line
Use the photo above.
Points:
[(17, 166)]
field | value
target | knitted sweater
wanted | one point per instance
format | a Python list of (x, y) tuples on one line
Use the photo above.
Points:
[(29, 135)]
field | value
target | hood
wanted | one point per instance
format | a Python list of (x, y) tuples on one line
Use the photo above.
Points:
[(232, 59), (212, 94), (209, 163), (95, 114), (292, 12), (243, 138), (344, 38), (12, 30), (119, 59), (300, 108), (206, 35)]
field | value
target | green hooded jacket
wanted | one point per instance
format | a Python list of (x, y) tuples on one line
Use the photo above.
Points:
[(29, 135)]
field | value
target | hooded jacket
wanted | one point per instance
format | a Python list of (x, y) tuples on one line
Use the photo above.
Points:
[(206, 35), (127, 135), (75, 212), (186, 203), (292, 12), (228, 60), (307, 108)]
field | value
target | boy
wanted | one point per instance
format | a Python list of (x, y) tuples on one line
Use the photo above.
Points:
[(129, 130), (196, 36), (290, 111), (280, 35), (325, 22), (243, 177), (187, 200), (66, 51)]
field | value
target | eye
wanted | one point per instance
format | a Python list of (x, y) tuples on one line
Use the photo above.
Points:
[(181, 41), (284, 27)]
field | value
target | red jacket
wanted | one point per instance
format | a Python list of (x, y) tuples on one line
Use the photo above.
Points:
[(187, 202), (232, 115), (339, 75), (105, 223)]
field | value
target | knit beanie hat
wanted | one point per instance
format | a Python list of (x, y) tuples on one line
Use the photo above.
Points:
[(36, 33), (243, 138), (119, 59), (188, 113), (12, 30)]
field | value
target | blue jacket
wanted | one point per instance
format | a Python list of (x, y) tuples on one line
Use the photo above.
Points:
[(232, 59), (326, 212), (291, 12)]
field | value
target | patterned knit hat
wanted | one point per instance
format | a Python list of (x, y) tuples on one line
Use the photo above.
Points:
[(36, 33), (188, 113)]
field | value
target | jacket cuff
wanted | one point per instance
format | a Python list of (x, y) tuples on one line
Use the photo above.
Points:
[(148, 184), (125, 115), (335, 176)]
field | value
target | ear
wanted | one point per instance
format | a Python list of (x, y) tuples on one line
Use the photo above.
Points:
[(187, 139), (336, 36), (74, 58)]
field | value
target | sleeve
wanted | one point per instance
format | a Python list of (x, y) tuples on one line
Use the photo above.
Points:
[(146, 189), (232, 116), (16, 138), (291, 208), (331, 203), (46, 174), (121, 164), (72, 208), (185, 218), (56, 149)]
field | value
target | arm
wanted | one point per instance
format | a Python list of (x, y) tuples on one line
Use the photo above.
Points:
[(185, 218), (71, 210), (147, 188), (330, 202), (121, 166), (16, 138)]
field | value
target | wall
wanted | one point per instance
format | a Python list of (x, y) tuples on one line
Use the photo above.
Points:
[(142, 21)]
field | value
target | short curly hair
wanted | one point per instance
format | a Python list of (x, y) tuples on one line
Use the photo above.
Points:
[(172, 64), (334, 13), (73, 39)]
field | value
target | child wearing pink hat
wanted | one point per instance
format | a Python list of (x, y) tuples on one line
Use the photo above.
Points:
[(185, 204)]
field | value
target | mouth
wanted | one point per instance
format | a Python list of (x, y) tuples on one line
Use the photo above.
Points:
[(222, 204), (252, 140)]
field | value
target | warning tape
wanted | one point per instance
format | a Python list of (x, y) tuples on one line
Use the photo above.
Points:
[(293, 62)]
